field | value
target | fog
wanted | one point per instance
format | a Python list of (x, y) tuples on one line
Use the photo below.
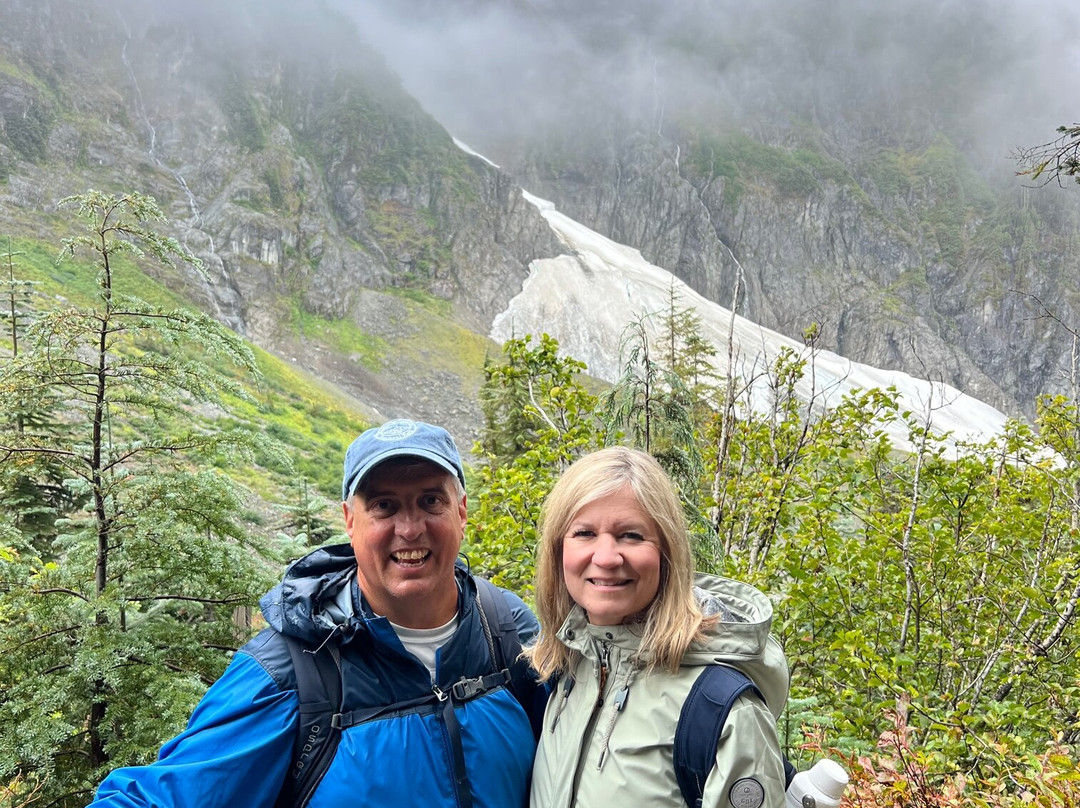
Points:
[(995, 74)]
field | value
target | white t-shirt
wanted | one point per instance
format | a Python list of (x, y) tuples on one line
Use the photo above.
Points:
[(423, 643)]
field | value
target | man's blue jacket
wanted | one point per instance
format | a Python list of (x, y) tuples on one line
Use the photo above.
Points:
[(238, 744)]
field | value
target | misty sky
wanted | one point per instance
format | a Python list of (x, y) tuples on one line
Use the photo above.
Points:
[(494, 71)]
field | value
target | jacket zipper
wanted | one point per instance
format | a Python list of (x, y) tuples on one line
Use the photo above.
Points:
[(619, 702), (590, 727), (605, 658)]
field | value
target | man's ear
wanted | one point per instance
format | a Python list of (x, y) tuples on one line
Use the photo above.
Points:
[(347, 512)]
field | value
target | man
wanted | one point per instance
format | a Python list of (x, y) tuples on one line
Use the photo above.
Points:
[(404, 624)]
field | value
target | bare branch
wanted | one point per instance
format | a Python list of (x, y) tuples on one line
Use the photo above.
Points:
[(220, 601), (1052, 160)]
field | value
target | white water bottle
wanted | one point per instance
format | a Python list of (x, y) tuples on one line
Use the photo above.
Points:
[(820, 786)]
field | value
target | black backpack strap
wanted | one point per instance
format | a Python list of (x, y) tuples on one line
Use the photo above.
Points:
[(700, 724), (318, 688), (322, 718), (506, 648)]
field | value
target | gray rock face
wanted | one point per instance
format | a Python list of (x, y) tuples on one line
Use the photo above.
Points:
[(293, 165), (868, 268), (292, 162)]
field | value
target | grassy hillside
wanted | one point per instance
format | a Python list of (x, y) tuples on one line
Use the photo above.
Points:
[(311, 420)]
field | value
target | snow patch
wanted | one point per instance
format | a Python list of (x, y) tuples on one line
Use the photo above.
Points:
[(586, 298)]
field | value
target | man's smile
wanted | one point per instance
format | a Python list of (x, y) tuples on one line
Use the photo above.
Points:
[(410, 558)]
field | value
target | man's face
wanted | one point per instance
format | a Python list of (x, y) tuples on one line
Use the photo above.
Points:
[(406, 529)]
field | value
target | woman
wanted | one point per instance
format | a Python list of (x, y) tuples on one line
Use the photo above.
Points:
[(625, 632)]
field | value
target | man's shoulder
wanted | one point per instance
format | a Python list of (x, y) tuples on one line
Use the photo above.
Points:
[(270, 648), (509, 609)]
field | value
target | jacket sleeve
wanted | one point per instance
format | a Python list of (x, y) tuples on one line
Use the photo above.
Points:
[(749, 768), (235, 750)]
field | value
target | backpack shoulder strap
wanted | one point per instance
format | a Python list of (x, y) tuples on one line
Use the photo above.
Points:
[(319, 691), (701, 722), (506, 645), (498, 621)]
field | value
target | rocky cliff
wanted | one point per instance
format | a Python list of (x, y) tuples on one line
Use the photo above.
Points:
[(852, 160), (940, 276), (288, 158), (291, 159)]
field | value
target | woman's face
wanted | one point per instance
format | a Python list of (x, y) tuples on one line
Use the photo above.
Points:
[(611, 559)]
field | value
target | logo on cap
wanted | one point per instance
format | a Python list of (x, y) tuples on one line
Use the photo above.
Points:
[(396, 430)]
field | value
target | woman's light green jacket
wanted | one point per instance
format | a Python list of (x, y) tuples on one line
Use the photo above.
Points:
[(613, 748)]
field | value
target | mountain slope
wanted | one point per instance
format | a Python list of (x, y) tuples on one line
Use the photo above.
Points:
[(849, 161), (289, 160), (343, 228)]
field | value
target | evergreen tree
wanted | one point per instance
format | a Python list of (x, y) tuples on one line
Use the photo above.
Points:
[(557, 424), (18, 294), (307, 524), (1053, 160), (110, 635), (31, 491), (651, 404), (687, 353)]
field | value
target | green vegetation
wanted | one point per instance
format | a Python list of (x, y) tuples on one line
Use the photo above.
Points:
[(410, 237), (125, 579), (298, 410), (145, 495), (342, 335), (740, 160), (435, 305), (435, 340), (385, 134), (915, 590), (27, 130), (287, 403), (924, 597), (935, 194), (245, 122), (273, 179), (538, 419), (943, 199)]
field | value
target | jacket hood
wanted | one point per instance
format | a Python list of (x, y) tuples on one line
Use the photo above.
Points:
[(741, 638), (315, 595), (319, 595)]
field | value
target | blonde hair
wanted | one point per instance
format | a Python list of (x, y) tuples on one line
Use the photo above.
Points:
[(673, 620)]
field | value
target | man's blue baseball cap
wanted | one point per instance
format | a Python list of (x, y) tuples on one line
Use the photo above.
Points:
[(399, 438)]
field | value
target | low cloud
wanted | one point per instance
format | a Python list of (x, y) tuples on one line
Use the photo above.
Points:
[(999, 73)]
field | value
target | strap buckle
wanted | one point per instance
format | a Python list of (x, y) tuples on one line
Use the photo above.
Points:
[(466, 689)]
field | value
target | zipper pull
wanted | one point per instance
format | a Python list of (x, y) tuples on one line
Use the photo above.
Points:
[(568, 685), (605, 656)]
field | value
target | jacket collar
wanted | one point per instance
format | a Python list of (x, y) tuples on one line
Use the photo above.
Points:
[(319, 595)]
